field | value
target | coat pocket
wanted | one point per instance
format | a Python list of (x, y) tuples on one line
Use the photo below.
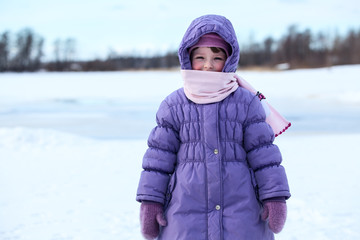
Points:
[(170, 189), (254, 183)]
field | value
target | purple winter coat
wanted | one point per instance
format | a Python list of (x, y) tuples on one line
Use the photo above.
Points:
[(212, 165)]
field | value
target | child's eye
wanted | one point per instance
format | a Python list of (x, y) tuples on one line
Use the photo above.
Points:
[(199, 57), (219, 58)]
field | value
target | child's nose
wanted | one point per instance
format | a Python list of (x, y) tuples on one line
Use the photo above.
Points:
[(208, 65)]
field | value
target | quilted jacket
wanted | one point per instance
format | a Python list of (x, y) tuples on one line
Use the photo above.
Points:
[(212, 165)]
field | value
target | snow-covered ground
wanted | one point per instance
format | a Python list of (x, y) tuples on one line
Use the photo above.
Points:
[(71, 146)]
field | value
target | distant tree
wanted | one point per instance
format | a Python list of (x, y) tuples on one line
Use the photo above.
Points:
[(64, 54), (351, 47), (171, 60), (38, 54), (57, 50), (28, 51), (320, 51), (269, 43), (23, 44), (69, 49), (258, 54), (4, 51)]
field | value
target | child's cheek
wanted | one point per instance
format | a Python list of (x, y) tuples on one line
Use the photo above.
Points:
[(196, 65)]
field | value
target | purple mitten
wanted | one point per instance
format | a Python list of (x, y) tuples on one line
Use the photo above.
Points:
[(151, 216), (275, 211)]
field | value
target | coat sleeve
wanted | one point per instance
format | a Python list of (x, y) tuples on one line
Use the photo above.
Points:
[(264, 158), (160, 157)]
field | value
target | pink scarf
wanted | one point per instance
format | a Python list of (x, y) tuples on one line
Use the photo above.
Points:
[(204, 87)]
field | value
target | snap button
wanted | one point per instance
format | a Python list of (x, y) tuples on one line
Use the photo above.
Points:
[(216, 151), (217, 207)]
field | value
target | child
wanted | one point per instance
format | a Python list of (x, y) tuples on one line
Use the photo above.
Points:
[(211, 170)]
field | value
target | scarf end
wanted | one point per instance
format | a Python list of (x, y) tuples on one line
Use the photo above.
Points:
[(277, 122), (283, 130)]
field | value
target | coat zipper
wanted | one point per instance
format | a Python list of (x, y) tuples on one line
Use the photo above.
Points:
[(220, 170), (205, 177)]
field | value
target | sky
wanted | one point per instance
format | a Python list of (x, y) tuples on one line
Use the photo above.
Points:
[(148, 27)]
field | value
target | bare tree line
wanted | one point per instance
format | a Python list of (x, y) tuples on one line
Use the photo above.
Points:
[(303, 49), (24, 52), (295, 49)]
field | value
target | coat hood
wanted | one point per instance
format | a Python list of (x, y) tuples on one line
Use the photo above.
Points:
[(210, 24)]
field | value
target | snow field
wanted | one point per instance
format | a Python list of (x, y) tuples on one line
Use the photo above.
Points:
[(71, 146)]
